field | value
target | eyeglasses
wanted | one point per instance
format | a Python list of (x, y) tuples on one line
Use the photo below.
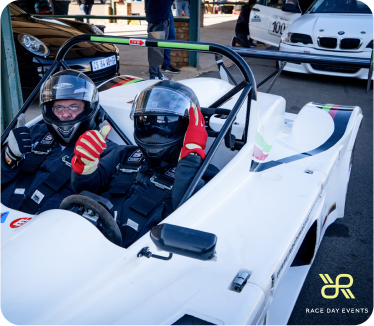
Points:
[(61, 109)]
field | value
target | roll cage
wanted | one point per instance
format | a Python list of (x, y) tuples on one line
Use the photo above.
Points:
[(247, 86)]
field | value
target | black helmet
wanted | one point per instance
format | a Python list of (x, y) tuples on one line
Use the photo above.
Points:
[(161, 119), (69, 85)]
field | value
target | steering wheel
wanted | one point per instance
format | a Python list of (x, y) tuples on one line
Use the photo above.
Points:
[(111, 230)]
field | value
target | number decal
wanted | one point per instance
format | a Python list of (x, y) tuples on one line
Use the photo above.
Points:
[(277, 25)]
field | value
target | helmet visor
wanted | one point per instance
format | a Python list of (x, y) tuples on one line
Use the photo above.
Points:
[(67, 87), (161, 101), (160, 128)]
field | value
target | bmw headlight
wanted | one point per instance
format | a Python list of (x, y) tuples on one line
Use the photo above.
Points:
[(370, 45), (96, 30), (33, 45), (295, 38)]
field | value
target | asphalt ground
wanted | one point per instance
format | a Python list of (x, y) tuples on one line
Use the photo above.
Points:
[(347, 247)]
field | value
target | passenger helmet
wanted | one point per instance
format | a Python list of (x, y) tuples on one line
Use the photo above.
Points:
[(160, 113), (69, 85)]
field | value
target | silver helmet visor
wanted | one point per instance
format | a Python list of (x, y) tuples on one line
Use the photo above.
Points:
[(161, 101)]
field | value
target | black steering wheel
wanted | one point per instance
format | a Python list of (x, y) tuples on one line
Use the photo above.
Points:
[(111, 230)]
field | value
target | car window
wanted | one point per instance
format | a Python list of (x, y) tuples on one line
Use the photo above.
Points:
[(15, 11), (339, 6)]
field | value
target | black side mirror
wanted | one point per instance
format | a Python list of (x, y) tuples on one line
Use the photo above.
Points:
[(290, 7), (183, 241)]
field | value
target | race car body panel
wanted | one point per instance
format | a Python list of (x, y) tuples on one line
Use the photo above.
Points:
[(288, 181), (266, 24)]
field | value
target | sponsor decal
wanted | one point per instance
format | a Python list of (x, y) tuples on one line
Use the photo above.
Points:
[(256, 18), (340, 115), (331, 209), (19, 222), (136, 156), (171, 172), (47, 139), (337, 286), (135, 41), (63, 86), (4, 216)]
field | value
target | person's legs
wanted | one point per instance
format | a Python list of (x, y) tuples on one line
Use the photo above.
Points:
[(179, 5), (87, 11), (167, 52), (242, 40), (186, 8), (154, 71)]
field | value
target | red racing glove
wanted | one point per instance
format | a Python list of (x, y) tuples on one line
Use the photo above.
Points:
[(88, 149), (196, 135)]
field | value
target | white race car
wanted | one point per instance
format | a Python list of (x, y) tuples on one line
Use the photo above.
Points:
[(329, 27), (242, 245)]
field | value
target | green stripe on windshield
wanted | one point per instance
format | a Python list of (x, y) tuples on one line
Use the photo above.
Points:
[(183, 46), (327, 107), (109, 39)]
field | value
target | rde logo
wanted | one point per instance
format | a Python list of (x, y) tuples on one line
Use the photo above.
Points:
[(337, 286), (134, 41), (19, 222)]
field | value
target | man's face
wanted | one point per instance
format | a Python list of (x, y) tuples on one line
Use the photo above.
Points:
[(67, 110)]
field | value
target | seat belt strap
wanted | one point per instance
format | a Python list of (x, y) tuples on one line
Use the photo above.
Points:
[(29, 168), (126, 174), (38, 154), (48, 187)]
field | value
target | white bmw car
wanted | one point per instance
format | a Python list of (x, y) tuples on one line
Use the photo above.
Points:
[(328, 27)]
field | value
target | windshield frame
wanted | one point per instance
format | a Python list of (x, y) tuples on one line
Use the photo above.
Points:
[(321, 2)]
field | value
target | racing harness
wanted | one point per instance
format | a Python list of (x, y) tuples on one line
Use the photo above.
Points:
[(139, 205), (54, 182)]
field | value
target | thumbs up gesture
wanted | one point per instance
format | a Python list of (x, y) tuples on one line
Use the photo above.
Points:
[(88, 149)]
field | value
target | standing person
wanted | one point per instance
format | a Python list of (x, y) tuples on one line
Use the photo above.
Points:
[(60, 7), (36, 168), (242, 27), (85, 7), (166, 66), (182, 5), (157, 13)]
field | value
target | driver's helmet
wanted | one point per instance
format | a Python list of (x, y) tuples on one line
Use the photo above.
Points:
[(69, 85), (161, 119)]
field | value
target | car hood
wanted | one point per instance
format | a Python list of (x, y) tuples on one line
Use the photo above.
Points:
[(54, 33), (351, 24)]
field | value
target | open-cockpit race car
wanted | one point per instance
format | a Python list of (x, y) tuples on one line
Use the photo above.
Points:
[(242, 244)]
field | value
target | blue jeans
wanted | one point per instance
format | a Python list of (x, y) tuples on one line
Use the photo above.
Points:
[(171, 36), (155, 71), (85, 10), (182, 5)]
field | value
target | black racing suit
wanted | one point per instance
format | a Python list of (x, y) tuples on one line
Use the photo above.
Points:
[(18, 185), (138, 203)]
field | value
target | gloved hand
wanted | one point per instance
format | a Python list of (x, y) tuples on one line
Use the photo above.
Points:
[(196, 135), (19, 143), (88, 149)]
